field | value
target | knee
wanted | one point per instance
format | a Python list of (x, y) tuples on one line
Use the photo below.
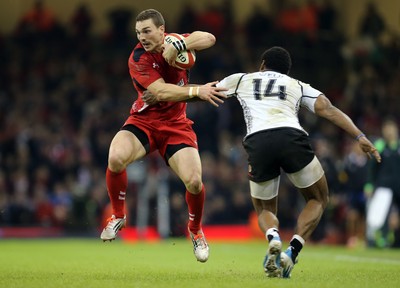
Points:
[(194, 184), (116, 162), (325, 200)]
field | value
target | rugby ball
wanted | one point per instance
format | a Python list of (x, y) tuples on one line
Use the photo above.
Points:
[(186, 58)]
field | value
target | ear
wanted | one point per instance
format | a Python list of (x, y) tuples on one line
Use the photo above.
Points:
[(162, 28)]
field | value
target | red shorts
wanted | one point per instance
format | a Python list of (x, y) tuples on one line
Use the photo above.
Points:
[(160, 134)]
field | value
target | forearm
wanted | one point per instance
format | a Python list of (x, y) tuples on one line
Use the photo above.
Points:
[(199, 40), (343, 121), (173, 93), (160, 91), (324, 108)]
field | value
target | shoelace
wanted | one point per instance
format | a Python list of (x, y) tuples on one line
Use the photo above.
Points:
[(200, 241), (110, 223)]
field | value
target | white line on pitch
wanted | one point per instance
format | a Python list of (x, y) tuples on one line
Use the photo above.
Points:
[(366, 260)]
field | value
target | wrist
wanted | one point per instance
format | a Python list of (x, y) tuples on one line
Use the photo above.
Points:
[(359, 136), (194, 91)]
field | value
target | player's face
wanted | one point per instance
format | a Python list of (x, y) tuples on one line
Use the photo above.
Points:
[(149, 35)]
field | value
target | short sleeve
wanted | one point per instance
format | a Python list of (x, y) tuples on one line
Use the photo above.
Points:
[(309, 97), (143, 72), (231, 83)]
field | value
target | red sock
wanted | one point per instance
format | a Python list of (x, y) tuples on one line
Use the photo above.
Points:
[(195, 206), (116, 186)]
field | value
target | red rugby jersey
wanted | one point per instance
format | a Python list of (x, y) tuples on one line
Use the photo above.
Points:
[(145, 68)]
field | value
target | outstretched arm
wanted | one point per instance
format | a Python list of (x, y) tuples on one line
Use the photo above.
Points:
[(161, 91), (324, 108)]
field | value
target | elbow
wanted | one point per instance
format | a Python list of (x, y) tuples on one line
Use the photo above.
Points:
[(207, 40), (211, 39)]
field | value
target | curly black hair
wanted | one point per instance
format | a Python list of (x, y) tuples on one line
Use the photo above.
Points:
[(277, 59)]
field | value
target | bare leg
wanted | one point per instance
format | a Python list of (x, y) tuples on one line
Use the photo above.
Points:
[(316, 197), (266, 211)]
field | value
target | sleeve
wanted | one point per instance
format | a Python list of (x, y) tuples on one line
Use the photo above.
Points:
[(309, 97), (143, 72), (231, 83)]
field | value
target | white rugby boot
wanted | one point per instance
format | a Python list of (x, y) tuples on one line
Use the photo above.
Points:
[(200, 246), (113, 226)]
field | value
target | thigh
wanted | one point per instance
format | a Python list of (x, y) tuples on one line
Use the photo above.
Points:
[(296, 151), (125, 148), (186, 164), (265, 190), (307, 176), (262, 156), (175, 136)]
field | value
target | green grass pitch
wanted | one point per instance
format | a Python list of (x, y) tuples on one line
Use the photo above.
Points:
[(171, 263)]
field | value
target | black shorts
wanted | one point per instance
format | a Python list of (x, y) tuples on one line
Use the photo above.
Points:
[(270, 150), (170, 149)]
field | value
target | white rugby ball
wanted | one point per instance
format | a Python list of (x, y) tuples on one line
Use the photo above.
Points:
[(186, 58)]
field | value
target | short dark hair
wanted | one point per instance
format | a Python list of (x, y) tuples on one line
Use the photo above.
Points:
[(277, 59), (153, 14)]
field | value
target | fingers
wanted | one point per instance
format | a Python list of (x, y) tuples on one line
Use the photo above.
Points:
[(217, 99), (212, 102), (376, 155), (370, 149), (218, 92), (169, 54), (212, 83), (373, 152), (149, 98), (168, 59), (221, 95)]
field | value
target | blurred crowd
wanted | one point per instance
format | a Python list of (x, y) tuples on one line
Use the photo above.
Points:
[(65, 92)]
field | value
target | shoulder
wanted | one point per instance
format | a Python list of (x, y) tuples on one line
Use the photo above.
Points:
[(140, 60), (138, 53), (236, 77), (231, 80)]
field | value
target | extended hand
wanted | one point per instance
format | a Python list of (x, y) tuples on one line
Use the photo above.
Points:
[(369, 148), (212, 94)]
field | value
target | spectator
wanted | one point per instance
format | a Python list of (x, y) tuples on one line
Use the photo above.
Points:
[(385, 178), (372, 23), (354, 176), (81, 23)]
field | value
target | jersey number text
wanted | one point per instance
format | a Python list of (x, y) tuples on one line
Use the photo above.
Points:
[(269, 88)]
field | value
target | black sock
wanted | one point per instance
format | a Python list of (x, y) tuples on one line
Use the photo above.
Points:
[(296, 247)]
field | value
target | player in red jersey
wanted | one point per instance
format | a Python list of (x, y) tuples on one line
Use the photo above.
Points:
[(162, 126)]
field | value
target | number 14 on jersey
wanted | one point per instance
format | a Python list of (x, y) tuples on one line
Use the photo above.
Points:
[(270, 89)]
